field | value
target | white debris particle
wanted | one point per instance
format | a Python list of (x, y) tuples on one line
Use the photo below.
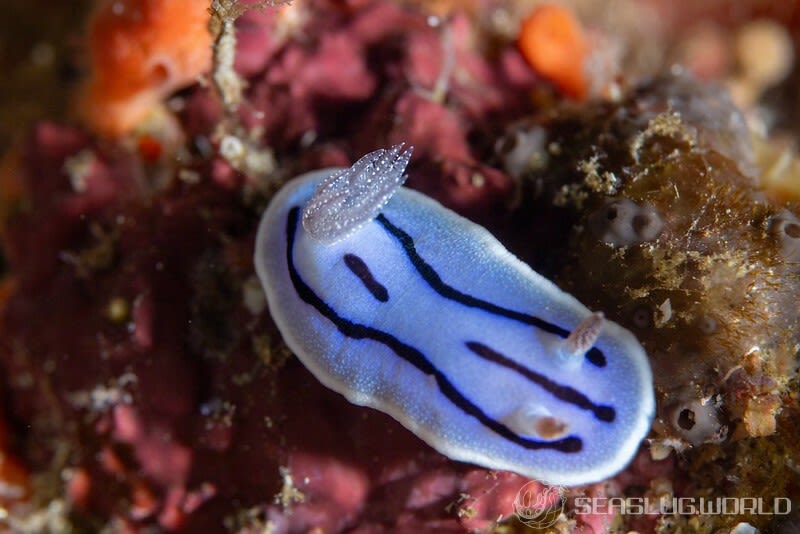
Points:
[(662, 314), (288, 494), (188, 176), (253, 296), (105, 396), (78, 167)]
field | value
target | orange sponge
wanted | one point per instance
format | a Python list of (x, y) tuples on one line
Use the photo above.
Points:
[(553, 43), (140, 51)]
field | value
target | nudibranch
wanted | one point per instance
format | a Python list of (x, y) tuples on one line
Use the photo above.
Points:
[(400, 304)]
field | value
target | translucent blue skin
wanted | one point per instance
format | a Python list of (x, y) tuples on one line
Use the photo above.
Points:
[(469, 259)]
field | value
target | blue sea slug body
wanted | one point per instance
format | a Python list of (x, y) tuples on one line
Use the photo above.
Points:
[(400, 304)]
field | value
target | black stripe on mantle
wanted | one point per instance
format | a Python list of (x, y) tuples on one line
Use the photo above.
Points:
[(569, 444), (594, 355)]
